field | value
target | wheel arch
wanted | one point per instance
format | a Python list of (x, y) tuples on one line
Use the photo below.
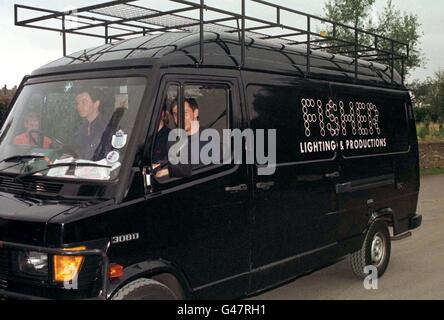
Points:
[(385, 214), (159, 270)]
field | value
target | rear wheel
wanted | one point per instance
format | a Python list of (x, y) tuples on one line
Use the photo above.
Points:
[(374, 252), (145, 289)]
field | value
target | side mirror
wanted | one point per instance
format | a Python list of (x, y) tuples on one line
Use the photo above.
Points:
[(174, 171), (147, 180)]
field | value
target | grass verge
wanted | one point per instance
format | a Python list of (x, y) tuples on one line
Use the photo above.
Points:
[(432, 172)]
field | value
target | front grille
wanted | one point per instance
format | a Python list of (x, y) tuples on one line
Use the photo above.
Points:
[(4, 270), (8, 184), (4, 263), (3, 284)]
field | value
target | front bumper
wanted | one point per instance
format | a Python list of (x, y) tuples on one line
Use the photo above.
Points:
[(61, 252)]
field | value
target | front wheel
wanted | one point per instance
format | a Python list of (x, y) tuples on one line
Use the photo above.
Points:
[(145, 289), (374, 252)]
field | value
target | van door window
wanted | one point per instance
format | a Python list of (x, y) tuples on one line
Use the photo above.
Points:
[(202, 118), (212, 102)]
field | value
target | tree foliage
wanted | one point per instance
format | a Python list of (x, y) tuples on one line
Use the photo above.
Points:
[(428, 98), (350, 12), (390, 23)]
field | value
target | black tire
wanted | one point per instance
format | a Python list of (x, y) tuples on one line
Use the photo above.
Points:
[(145, 289), (377, 232)]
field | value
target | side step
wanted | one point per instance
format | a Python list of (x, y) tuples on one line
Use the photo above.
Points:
[(402, 236)]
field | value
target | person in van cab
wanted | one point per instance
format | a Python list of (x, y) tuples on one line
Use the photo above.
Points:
[(89, 135), (191, 127), (191, 115), (160, 154), (33, 136)]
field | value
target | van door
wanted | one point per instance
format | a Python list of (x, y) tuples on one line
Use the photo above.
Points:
[(202, 223), (295, 209)]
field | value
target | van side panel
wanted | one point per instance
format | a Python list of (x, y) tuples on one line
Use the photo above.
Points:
[(379, 158)]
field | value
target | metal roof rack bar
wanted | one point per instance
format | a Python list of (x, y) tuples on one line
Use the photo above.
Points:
[(120, 19), (141, 17)]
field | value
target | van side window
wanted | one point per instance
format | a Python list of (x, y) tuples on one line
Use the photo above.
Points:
[(213, 105), (206, 114), (203, 115), (304, 118)]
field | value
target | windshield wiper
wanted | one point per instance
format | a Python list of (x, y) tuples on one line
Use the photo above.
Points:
[(20, 160), (58, 165)]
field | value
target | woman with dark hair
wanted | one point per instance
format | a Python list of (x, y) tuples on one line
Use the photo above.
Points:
[(160, 154)]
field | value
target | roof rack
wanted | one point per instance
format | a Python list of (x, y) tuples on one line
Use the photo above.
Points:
[(123, 19)]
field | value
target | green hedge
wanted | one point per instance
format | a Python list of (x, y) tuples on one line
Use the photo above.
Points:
[(430, 131)]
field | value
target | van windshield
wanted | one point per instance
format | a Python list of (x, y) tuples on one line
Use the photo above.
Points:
[(71, 129)]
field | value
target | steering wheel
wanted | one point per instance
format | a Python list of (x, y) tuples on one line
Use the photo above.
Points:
[(56, 144)]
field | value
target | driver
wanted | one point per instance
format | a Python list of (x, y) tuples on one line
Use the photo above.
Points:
[(89, 135), (33, 136)]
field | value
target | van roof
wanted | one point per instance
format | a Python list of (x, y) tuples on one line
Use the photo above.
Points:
[(222, 50)]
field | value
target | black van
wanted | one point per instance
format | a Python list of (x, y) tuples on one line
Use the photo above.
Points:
[(85, 214)]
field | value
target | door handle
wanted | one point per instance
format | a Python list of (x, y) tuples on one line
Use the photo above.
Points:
[(265, 185), (239, 188), (333, 175)]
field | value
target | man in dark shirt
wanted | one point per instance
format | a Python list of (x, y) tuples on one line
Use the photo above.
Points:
[(89, 135), (192, 128)]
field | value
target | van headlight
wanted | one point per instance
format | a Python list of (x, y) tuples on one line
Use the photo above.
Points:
[(32, 263)]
